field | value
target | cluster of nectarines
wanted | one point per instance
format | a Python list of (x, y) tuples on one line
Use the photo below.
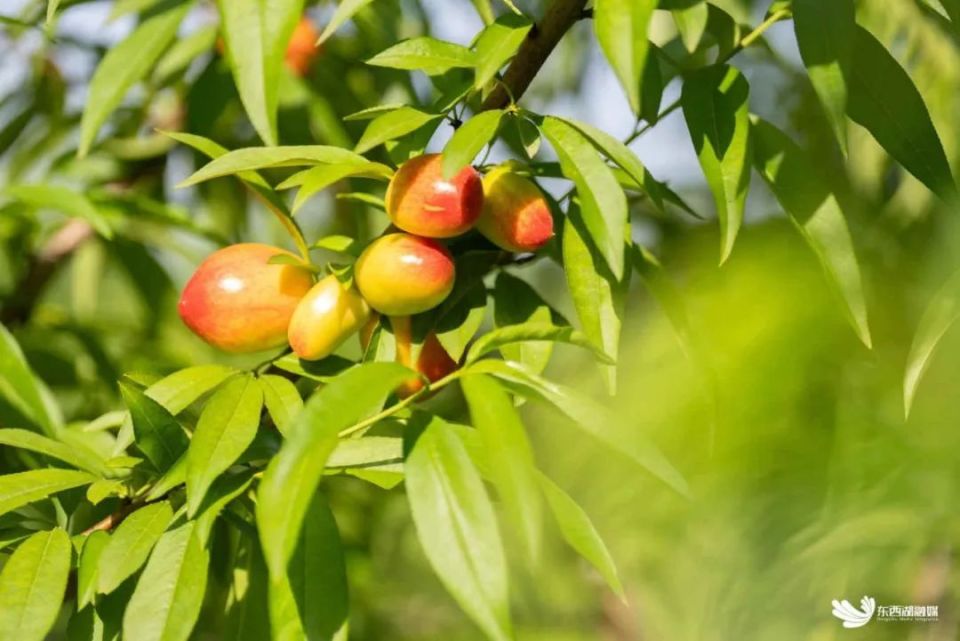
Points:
[(240, 301)]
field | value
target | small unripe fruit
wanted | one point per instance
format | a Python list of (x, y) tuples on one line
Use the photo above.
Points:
[(302, 48), (515, 215), (325, 317), (239, 302), (401, 274), (421, 201)]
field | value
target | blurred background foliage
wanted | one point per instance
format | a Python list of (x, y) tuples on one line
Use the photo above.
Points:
[(807, 484)]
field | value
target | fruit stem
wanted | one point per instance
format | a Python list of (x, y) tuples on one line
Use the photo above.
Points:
[(404, 338)]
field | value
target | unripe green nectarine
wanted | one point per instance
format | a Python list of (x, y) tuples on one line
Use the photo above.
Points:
[(328, 315), (515, 215), (239, 302), (421, 201), (402, 274)]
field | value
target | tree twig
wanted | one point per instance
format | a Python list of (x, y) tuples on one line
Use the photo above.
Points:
[(536, 48)]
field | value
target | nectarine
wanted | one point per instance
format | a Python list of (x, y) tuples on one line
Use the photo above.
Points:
[(402, 274), (515, 215), (302, 48), (421, 201), (328, 315)]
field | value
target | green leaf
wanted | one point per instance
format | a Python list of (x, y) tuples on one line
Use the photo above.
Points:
[(807, 198), (321, 371), (516, 303), (17, 490), (345, 10), (590, 416), (424, 53), (63, 200), (32, 585), (291, 479), (532, 332), (317, 568), (825, 34), (126, 7), (462, 313), (368, 452), (528, 135), (942, 312), (621, 27), (497, 44), (226, 428), (74, 454), (256, 33), (179, 390), (52, 6), (457, 527), (507, 448), (248, 618), (319, 178), (714, 101), (691, 22), (598, 297), (176, 475), (184, 52), (166, 602), (603, 203), (224, 490), (651, 87), (248, 159), (130, 545), (282, 399), (22, 389), (87, 567), (372, 112), (469, 140), (158, 435), (393, 125), (622, 156), (128, 62), (579, 532), (884, 100)]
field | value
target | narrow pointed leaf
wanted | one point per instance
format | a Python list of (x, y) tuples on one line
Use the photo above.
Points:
[(130, 545), (166, 601), (158, 435), (457, 527), (32, 585), (884, 100), (603, 203), (345, 10), (21, 388), (807, 198), (74, 454), (825, 33), (256, 33), (63, 200), (942, 312), (512, 465), (579, 532), (291, 479), (88, 566), (497, 44), (248, 159), (469, 140), (517, 303), (179, 390), (426, 54), (393, 125), (621, 28), (282, 400), (226, 428), (17, 490), (714, 101), (532, 332)]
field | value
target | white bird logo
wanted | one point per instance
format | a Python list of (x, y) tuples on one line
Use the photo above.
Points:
[(852, 617)]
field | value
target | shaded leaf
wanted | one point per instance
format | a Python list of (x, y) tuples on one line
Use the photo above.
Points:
[(516, 303), (158, 435), (714, 101), (807, 198), (621, 28), (63, 200), (884, 100)]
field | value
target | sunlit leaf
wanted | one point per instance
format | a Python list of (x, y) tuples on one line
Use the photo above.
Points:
[(32, 585), (621, 28), (158, 434), (178, 390), (74, 454), (282, 400), (691, 22), (424, 53), (130, 545), (515, 303), (345, 10), (393, 125), (63, 200), (128, 62), (497, 44), (457, 527), (19, 387), (21, 488), (184, 52), (469, 140), (256, 33), (89, 565), (253, 158)]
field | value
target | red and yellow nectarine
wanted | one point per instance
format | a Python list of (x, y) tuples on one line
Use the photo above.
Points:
[(421, 201), (515, 215), (239, 302), (302, 48), (402, 274), (328, 315)]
